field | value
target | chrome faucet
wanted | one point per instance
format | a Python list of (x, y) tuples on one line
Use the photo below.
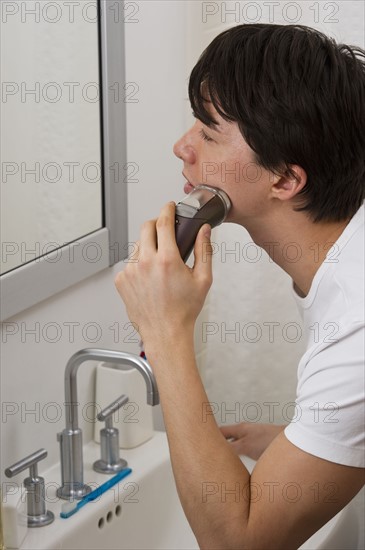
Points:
[(70, 439)]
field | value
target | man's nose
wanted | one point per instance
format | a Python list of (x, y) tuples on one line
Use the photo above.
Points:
[(184, 150)]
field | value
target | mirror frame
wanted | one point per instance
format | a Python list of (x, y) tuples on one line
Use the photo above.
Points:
[(47, 275)]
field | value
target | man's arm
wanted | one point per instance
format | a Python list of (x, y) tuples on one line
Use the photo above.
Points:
[(290, 493)]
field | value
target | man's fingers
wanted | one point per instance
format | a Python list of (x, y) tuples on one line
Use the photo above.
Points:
[(230, 432), (203, 254), (148, 239), (165, 227), (226, 431)]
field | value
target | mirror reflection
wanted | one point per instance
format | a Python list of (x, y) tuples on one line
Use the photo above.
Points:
[(51, 190)]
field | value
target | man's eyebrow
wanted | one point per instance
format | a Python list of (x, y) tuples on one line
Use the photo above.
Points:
[(215, 128)]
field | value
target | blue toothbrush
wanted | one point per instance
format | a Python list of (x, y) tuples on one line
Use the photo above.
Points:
[(70, 508)]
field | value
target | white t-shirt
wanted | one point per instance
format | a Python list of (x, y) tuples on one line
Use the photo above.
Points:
[(329, 420)]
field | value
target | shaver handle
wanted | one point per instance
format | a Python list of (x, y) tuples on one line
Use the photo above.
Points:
[(186, 230)]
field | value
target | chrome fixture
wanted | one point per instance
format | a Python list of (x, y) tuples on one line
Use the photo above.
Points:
[(37, 515), (70, 439), (110, 462)]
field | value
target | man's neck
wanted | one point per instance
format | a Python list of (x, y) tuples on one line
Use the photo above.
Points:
[(296, 244)]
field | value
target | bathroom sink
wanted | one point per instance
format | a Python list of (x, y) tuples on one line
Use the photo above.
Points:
[(143, 511)]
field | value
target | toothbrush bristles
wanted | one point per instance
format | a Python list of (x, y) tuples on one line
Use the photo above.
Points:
[(67, 508)]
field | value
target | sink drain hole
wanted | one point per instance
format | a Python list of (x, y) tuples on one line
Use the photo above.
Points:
[(109, 516), (101, 523)]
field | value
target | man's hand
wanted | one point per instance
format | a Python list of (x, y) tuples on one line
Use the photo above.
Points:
[(251, 439), (162, 295)]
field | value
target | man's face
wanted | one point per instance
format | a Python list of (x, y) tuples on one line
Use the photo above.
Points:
[(220, 157)]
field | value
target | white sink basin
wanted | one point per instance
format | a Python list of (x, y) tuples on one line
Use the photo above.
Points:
[(142, 512)]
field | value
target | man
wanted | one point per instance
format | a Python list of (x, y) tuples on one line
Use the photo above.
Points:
[(290, 102)]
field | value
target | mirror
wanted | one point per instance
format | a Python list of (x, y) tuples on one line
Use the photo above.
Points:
[(63, 210), (51, 155)]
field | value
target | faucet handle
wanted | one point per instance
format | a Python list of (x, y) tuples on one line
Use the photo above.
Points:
[(38, 515), (30, 461), (106, 413), (110, 462)]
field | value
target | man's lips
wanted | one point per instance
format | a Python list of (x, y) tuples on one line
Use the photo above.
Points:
[(188, 187)]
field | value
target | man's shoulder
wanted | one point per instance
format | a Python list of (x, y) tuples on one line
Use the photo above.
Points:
[(341, 290), (349, 272)]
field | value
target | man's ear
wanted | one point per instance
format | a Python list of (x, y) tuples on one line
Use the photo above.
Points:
[(288, 185)]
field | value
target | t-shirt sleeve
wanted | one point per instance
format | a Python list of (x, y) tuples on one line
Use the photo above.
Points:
[(330, 414)]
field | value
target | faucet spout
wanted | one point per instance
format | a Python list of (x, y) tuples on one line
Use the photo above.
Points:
[(71, 437), (108, 356)]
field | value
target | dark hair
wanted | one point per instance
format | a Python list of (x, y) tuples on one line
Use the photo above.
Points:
[(298, 97)]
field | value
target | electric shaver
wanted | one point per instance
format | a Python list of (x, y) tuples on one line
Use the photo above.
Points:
[(203, 205)]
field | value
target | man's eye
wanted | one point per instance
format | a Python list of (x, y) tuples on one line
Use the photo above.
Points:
[(204, 136)]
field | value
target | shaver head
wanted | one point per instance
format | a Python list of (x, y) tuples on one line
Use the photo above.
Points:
[(203, 205)]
